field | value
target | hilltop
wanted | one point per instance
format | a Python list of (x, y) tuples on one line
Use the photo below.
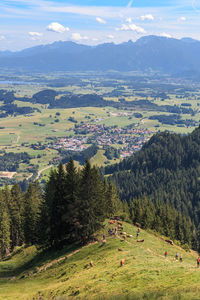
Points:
[(66, 274)]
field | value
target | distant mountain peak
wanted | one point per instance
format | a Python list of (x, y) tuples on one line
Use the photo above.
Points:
[(156, 53)]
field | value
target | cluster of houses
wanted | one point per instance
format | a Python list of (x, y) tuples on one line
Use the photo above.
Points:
[(128, 139)]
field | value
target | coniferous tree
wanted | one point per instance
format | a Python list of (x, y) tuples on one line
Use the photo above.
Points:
[(90, 208), (71, 203), (114, 204), (32, 201), (47, 210), (16, 209), (5, 242), (58, 208)]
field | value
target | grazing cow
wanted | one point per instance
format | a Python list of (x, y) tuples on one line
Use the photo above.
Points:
[(140, 241), (120, 227), (170, 242), (91, 264), (119, 223), (129, 235), (124, 237), (122, 262), (138, 224), (124, 233), (120, 249)]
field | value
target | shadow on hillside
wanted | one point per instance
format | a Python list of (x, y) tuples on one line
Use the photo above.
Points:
[(41, 258)]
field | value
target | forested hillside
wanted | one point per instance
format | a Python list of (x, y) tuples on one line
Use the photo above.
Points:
[(166, 170), (70, 209)]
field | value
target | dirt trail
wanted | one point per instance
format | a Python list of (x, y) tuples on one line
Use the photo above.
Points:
[(53, 262), (40, 172)]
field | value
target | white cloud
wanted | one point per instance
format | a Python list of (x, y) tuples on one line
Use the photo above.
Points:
[(35, 34), (2, 37), (56, 27), (110, 36), (100, 20), (131, 27), (147, 17), (78, 37), (182, 19), (164, 34), (129, 20)]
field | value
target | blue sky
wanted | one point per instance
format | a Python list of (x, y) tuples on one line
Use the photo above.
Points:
[(27, 23)]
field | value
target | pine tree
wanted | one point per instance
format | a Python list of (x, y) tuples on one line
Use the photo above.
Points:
[(5, 242), (47, 210), (114, 204), (71, 203), (58, 208), (91, 202), (32, 202), (16, 208)]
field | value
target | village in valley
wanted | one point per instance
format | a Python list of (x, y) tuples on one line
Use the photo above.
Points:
[(127, 139)]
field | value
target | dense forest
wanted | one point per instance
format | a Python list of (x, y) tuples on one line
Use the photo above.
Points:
[(166, 170), (49, 97), (73, 205), (11, 161)]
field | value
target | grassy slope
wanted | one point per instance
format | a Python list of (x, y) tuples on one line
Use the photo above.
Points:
[(145, 275)]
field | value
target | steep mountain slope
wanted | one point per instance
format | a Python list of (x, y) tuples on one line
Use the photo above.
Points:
[(167, 169), (155, 53), (147, 274)]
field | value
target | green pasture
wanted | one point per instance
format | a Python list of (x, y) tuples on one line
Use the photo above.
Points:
[(66, 274)]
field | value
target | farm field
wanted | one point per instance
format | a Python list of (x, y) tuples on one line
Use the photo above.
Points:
[(139, 110), (146, 274)]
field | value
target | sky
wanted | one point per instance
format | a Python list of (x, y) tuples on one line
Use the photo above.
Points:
[(28, 23)]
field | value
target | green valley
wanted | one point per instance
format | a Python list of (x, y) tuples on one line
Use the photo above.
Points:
[(111, 110)]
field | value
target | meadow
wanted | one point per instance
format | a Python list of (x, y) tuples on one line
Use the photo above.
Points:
[(66, 274)]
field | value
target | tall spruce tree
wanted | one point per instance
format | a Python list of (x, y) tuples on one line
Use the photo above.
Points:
[(16, 209), (5, 242), (90, 202), (32, 202), (47, 210), (58, 209), (70, 215), (114, 205)]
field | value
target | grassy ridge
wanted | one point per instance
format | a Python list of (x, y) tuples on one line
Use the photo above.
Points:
[(147, 274)]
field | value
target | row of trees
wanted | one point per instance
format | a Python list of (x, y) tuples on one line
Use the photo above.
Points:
[(19, 214), (72, 207), (164, 219)]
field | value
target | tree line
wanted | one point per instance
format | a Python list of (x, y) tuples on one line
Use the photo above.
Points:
[(70, 209), (166, 170)]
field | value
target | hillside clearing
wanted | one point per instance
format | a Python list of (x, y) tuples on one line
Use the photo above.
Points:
[(147, 274)]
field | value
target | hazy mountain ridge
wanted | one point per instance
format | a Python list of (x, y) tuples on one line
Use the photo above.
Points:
[(165, 55)]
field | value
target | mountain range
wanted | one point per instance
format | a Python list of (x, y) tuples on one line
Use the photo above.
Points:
[(149, 53)]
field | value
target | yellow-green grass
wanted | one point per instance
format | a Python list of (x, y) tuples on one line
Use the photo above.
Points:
[(98, 159), (147, 274)]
